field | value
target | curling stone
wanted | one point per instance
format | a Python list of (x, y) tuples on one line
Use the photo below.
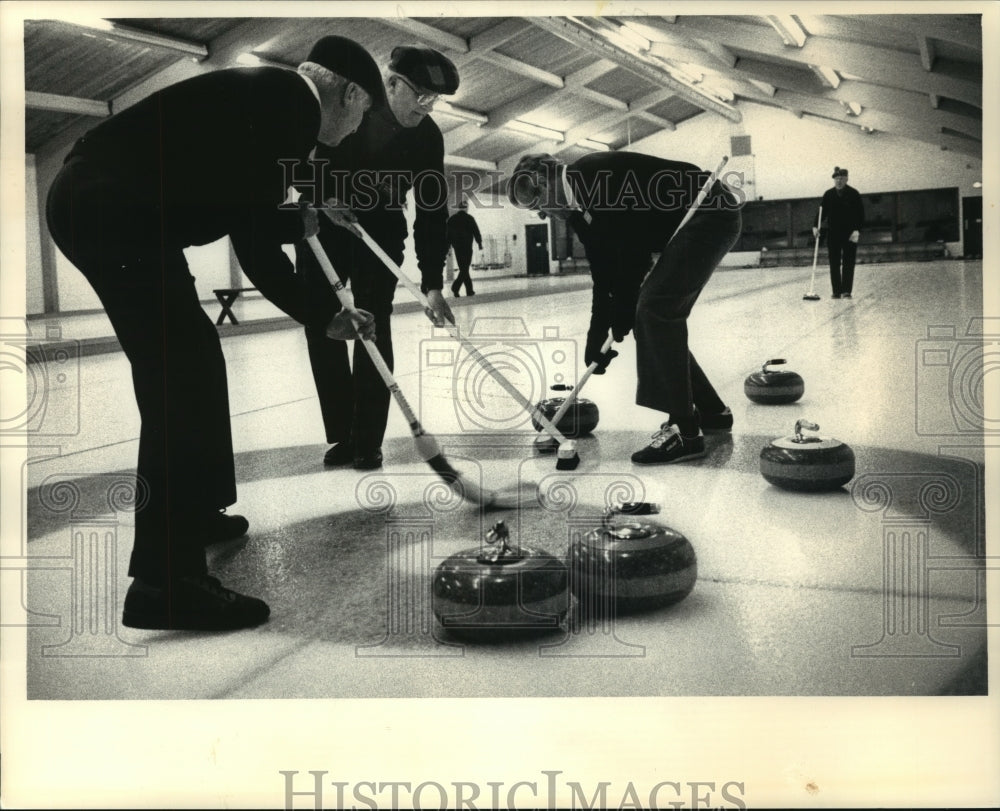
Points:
[(580, 419), (807, 463), (631, 563), (496, 592), (771, 387)]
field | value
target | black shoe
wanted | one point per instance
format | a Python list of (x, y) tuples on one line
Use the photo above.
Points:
[(846, 295), (669, 446), (471, 293), (195, 603), (340, 454), (368, 461), (456, 294), (711, 423), (835, 295), (220, 527)]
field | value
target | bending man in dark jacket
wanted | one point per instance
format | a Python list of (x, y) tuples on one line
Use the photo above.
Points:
[(462, 229), (843, 210), (188, 165), (370, 175), (625, 207)]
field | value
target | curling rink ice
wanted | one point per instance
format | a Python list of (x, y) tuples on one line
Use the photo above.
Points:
[(874, 589)]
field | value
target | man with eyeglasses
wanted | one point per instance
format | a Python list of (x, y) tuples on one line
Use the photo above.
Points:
[(368, 178)]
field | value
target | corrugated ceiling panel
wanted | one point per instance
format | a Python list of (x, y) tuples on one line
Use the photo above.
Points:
[(294, 43), (40, 126), (958, 53), (191, 29), (537, 47), (618, 135), (574, 153), (465, 27), (543, 50), (675, 109), (446, 123), (866, 30), (72, 61), (622, 84), (498, 145), (565, 111), (484, 86)]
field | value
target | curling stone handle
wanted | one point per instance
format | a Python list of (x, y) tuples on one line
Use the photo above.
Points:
[(773, 362), (800, 424), (561, 387), (631, 508), (497, 537)]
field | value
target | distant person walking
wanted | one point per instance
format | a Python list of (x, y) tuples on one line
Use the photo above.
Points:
[(462, 230)]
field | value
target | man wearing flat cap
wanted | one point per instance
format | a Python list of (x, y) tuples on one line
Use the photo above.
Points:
[(190, 164), (843, 210), (396, 149)]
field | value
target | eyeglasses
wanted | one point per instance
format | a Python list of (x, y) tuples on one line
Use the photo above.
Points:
[(423, 99)]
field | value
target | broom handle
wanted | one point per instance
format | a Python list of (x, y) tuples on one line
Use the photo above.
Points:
[(705, 189), (571, 397), (347, 300), (819, 224), (469, 347)]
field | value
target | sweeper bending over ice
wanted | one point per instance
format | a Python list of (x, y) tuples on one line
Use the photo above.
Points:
[(625, 207)]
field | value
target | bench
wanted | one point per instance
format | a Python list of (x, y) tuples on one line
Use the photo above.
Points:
[(227, 298), (870, 253)]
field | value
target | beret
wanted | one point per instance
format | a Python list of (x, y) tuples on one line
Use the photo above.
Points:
[(347, 58), (428, 69), (838, 172)]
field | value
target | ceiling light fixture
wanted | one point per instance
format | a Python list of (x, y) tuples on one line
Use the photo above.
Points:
[(789, 29), (596, 146), (447, 108), (683, 74), (534, 129), (718, 91), (647, 33), (636, 39)]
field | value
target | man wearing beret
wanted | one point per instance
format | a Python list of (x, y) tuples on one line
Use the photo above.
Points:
[(190, 164), (369, 175), (625, 207), (843, 210)]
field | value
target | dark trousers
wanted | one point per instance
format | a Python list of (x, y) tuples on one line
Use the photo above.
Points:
[(185, 466), (669, 377), (354, 402), (463, 258), (843, 252)]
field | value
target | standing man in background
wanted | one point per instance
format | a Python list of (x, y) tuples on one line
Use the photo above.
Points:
[(187, 165), (372, 172), (843, 210), (462, 229)]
